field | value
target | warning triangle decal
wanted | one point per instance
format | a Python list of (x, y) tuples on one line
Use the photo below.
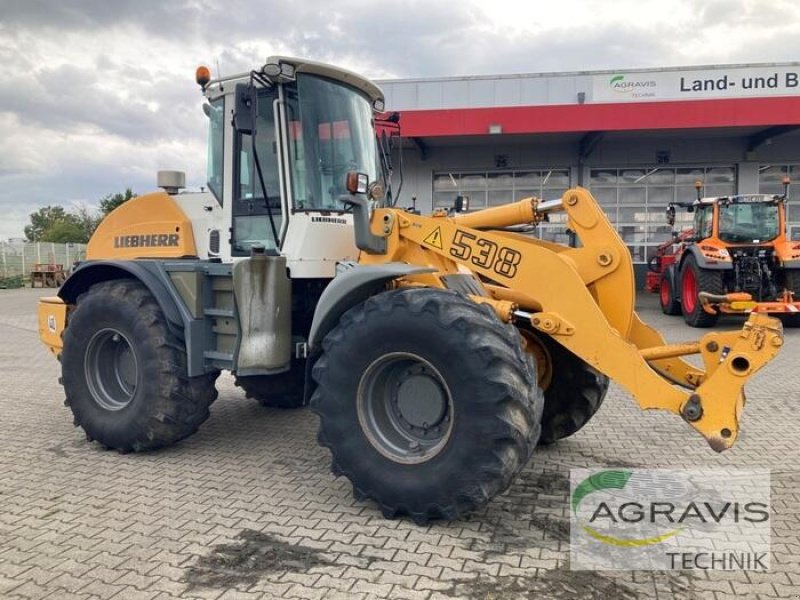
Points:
[(434, 238)]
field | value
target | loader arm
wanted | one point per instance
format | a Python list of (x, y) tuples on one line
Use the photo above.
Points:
[(584, 299)]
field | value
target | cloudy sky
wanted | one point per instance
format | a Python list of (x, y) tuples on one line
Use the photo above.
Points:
[(97, 95)]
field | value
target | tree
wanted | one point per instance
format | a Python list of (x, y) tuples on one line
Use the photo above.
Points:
[(87, 219), (68, 230), (56, 224), (112, 201), (42, 220)]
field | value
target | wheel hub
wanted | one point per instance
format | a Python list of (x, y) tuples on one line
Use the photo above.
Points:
[(405, 408), (111, 369), (421, 401)]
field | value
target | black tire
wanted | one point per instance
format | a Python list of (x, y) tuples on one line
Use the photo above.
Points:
[(572, 395), (284, 390), (706, 280), (489, 405), (124, 372), (667, 297)]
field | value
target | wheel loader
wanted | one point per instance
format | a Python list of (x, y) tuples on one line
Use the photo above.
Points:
[(736, 259), (437, 350)]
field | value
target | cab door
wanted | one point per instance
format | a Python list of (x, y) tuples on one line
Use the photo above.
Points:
[(257, 207)]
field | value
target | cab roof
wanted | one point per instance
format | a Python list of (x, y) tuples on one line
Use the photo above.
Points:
[(302, 65)]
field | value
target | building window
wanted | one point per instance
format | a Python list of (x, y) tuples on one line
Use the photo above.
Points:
[(635, 200), (494, 188), (770, 181)]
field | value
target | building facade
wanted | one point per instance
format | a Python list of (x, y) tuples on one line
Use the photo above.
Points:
[(636, 139)]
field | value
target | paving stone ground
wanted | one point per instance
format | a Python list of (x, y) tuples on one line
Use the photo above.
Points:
[(247, 508)]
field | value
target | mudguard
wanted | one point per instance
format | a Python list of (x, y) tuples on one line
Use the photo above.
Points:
[(154, 277), (349, 288), (703, 262)]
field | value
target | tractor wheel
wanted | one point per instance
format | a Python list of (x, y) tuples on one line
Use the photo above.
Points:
[(573, 390), (693, 281), (791, 280), (284, 390), (666, 295), (124, 372), (427, 402)]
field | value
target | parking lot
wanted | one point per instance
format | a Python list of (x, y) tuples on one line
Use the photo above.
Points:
[(247, 508)]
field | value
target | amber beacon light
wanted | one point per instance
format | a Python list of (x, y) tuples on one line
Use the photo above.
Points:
[(202, 76)]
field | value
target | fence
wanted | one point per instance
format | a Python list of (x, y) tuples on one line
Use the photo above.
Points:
[(17, 259)]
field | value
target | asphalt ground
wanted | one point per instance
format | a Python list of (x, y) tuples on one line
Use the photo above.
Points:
[(247, 507)]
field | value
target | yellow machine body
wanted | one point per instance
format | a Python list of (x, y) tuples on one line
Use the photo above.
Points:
[(148, 226), (52, 317), (583, 298)]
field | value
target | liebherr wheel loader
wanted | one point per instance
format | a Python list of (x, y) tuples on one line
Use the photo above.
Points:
[(437, 350)]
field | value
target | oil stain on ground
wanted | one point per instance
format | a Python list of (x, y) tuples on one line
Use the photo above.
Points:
[(555, 584), (525, 518), (251, 556)]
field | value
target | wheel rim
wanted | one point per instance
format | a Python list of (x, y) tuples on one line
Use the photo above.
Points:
[(405, 408), (689, 291), (111, 369), (665, 295)]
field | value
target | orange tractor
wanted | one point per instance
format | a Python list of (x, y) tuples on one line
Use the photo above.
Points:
[(737, 258)]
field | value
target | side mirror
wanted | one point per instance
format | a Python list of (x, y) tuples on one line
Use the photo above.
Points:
[(461, 204), (243, 111)]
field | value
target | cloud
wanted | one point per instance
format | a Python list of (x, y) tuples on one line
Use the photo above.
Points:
[(98, 95)]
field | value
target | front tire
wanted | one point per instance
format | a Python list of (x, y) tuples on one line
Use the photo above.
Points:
[(693, 281), (427, 402), (124, 371), (666, 296)]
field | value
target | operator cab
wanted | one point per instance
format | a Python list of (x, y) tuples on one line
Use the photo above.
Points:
[(281, 142), (753, 218)]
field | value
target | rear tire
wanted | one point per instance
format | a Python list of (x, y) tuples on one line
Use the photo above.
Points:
[(284, 390), (573, 395), (694, 280), (666, 293), (124, 371), (473, 431)]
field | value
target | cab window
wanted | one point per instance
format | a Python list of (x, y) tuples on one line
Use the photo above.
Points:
[(254, 164), (216, 136), (703, 222)]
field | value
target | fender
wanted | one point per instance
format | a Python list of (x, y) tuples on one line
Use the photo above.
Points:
[(349, 288), (153, 275), (702, 262)]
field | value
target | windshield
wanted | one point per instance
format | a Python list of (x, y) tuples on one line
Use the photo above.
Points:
[(330, 132), (748, 222)]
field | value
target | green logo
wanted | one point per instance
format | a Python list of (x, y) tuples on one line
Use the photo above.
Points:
[(610, 480), (641, 87)]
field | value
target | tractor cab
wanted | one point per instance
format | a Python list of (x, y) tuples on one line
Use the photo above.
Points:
[(749, 219)]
